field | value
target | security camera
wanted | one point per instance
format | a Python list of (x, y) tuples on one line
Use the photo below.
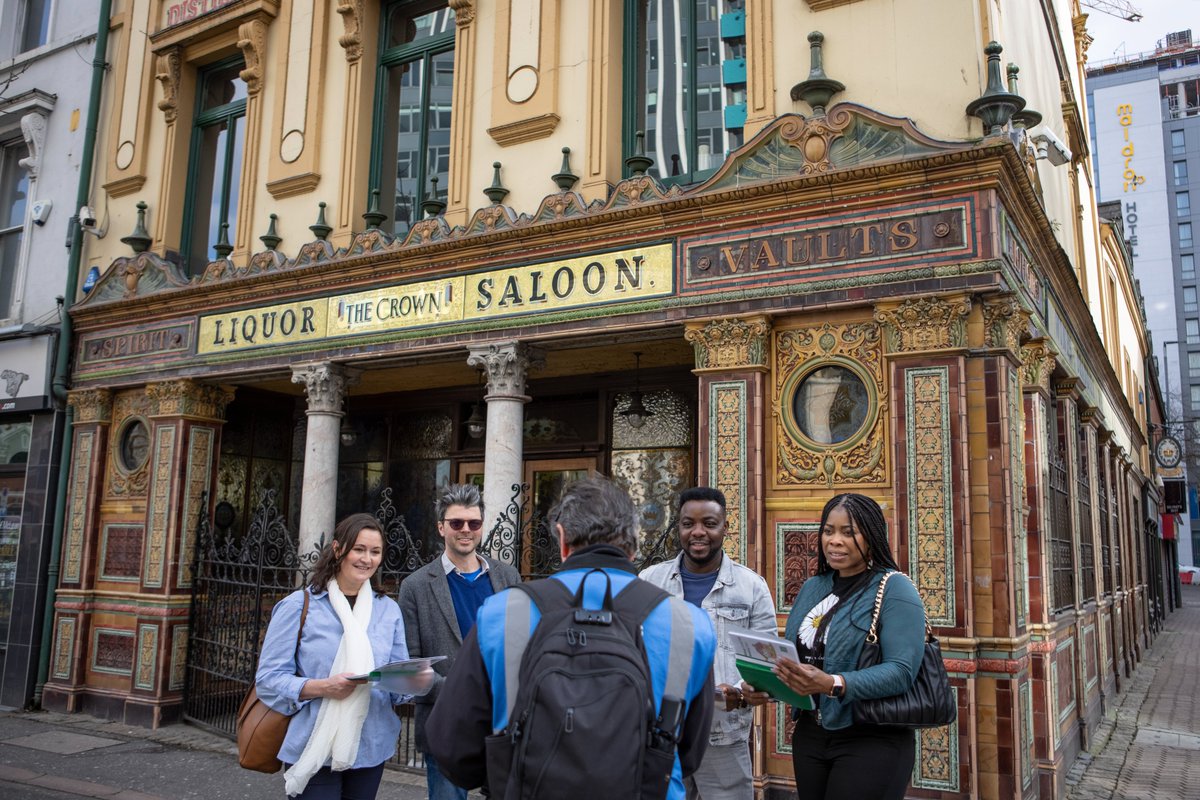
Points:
[(1051, 148), (87, 218)]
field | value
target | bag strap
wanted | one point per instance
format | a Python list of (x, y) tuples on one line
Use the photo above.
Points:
[(873, 633), (300, 630)]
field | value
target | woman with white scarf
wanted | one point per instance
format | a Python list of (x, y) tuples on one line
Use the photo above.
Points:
[(341, 732)]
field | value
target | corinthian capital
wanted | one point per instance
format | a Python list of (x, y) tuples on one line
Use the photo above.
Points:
[(325, 385), (507, 365), (730, 343)]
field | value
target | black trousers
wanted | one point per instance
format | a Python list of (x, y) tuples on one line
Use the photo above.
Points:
[(862, 762)]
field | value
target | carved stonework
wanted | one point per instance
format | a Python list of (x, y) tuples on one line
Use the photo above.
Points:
[(252, 41), (1082, 40), (352, 18), (730, 343), (507, 365), (136, 276), (862, 460), (91, 405), (33, 129), (1005, 323), (167, 72), (325, 385), (1038, 363), (464, 12), (924, 323), (186, 398)]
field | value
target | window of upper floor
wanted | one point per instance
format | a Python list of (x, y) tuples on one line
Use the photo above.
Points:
[(1195, 396), (34, 23), (1177, 143), (1185, 234), (1194, 363), (1183, 204), (1187, 267), (411, 138), (1192, 330), (1181, 173), (1189, 300), (14, 197), (685, 84), (214, 164)]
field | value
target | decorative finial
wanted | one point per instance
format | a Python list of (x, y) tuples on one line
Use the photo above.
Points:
[(374, 217), (321, 228), (564, 178), (995, 106), (1025, 118), (819, 88), (223, 248), (639, 162), (139, 240), (496, 192), (271, 238), (433, 205)]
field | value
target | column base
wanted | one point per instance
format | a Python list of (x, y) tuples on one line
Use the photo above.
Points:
[(114, 707)]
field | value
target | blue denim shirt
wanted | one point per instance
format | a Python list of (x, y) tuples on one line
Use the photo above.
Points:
[(279, 684), (739, 599), (901, 638)]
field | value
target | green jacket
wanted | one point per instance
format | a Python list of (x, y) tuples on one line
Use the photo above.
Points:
[(901, 636)]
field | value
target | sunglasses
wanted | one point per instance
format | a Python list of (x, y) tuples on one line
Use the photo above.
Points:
[(457, 524)]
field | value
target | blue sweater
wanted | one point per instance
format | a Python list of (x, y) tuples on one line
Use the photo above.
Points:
[(468, 595), (901, 637)]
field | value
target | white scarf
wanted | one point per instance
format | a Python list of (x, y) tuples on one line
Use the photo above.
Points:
[(339, 723)]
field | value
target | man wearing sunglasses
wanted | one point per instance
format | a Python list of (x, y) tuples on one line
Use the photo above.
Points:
[(439, 602)]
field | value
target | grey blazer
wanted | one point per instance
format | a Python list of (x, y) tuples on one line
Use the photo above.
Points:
[(431, 627)]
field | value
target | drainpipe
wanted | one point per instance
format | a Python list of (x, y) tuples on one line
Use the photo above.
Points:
[(62, 360)]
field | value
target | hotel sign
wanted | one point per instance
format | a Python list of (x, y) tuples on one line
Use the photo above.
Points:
[(607, 279)]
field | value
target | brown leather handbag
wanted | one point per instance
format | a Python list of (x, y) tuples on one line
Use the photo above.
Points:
[(260, 729)]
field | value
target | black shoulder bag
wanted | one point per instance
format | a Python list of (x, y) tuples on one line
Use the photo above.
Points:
[(928, 703)]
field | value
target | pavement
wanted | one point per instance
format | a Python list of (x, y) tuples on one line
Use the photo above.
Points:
[(1148, 747), (48, 756)]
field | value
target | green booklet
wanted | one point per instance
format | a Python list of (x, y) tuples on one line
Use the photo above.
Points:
[(755, 655)]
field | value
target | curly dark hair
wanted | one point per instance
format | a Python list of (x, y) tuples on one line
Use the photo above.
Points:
[(344, 537), (867, 517)]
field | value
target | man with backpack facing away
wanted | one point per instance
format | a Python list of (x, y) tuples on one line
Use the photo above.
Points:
[(734, 597), (589, 684)]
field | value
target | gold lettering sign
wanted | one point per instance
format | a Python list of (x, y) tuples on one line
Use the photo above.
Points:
[(591, 280), (263, 327), (606, 279)]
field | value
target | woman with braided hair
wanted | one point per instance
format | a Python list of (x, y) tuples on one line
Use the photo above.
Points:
[(833, 757)]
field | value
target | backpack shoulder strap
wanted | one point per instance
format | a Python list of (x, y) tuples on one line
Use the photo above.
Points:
[(518, 611), (635, 602)]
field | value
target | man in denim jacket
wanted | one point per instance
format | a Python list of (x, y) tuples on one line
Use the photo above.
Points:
[(734, 597)]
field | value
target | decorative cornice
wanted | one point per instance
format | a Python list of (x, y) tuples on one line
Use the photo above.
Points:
[(91, 405), (1083, 41), (135, 276), (1038, 360), (924, 323), (526, 130), (1091, 416), (1005, 323), (507, 365), (186, 398), (1068, 388), (325, 385), (352, 18), (464, 12), (727, 344), (252, 41), (293, 185), (168, 68)]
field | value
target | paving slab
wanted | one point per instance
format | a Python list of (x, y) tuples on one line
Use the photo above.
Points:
[(62, 742)]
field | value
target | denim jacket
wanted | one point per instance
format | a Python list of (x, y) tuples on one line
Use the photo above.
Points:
[(901, 638), (739, 599), (279, 681)]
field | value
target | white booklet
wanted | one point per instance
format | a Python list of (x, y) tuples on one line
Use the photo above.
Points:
[(762, 648)]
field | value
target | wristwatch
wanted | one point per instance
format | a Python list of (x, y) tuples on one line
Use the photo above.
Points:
[(839, 686)]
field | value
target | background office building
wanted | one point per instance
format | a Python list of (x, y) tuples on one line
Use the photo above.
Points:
[(1145, 110)]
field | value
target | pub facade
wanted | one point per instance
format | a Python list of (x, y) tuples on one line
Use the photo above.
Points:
[(384, 246)]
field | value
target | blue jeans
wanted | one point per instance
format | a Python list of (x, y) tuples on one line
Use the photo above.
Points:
[(351, 784), (439, 787)]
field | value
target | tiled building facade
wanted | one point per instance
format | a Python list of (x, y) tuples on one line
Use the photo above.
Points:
[(822, 287)]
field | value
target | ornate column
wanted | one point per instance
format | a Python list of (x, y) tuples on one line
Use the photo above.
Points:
[(325, 385), (507, 366), (72, 617), (732, 366)]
